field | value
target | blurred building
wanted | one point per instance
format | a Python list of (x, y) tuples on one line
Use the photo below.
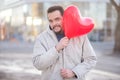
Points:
[(25, 19)]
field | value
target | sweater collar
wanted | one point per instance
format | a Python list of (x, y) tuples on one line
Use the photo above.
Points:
[(52, 34)]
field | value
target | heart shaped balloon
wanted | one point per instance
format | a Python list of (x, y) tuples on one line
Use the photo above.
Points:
[(74, 24)]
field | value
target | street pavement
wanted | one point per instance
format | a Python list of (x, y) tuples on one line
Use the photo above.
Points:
[(16, 62)]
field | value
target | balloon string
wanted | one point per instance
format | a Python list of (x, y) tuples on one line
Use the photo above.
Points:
[(63, 58)]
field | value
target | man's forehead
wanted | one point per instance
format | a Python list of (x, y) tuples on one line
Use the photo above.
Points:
[(54, 14)]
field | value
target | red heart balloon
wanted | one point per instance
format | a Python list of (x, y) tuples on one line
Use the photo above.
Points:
[(74, 24)]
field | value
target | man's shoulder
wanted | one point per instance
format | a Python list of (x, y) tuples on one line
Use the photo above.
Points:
[(42, 35), (80, 37)]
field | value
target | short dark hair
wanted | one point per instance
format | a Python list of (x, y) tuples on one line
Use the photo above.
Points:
[(54, 8)]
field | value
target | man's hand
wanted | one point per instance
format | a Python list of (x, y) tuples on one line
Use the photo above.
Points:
[(62, 44), (67, 73)]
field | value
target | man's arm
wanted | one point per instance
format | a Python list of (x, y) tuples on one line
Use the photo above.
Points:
[(89, 60), (42, 58)]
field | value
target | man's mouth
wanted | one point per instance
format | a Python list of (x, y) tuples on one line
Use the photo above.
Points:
[(56, 26)]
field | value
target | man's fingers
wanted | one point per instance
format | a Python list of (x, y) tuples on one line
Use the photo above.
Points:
[(63, 72), (64, 75)]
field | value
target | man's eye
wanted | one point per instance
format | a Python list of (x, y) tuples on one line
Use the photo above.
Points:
[(57, 19)]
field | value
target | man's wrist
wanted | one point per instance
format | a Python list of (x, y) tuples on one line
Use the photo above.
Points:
[(74, 74), (57, 48)]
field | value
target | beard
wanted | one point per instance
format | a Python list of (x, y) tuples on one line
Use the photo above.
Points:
[(57, 32)]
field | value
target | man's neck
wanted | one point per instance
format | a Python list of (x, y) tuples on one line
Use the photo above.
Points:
[(60, 35)]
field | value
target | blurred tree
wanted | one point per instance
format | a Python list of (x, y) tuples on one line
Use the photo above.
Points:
[(117, 29)]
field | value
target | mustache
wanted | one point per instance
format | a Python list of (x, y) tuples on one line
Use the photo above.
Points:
[(56, 26)]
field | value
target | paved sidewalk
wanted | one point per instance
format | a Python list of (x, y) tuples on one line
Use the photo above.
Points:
[(16, 47), (19, 66)]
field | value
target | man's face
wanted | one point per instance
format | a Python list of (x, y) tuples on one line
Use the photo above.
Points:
[(55, 19)]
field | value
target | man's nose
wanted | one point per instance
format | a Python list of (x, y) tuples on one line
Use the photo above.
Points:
[(54, 23)]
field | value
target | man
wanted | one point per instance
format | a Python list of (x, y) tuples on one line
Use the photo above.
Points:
[(58, 57)]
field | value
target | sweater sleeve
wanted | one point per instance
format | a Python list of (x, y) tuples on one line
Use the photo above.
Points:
[(43, 58), (89, 60)]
